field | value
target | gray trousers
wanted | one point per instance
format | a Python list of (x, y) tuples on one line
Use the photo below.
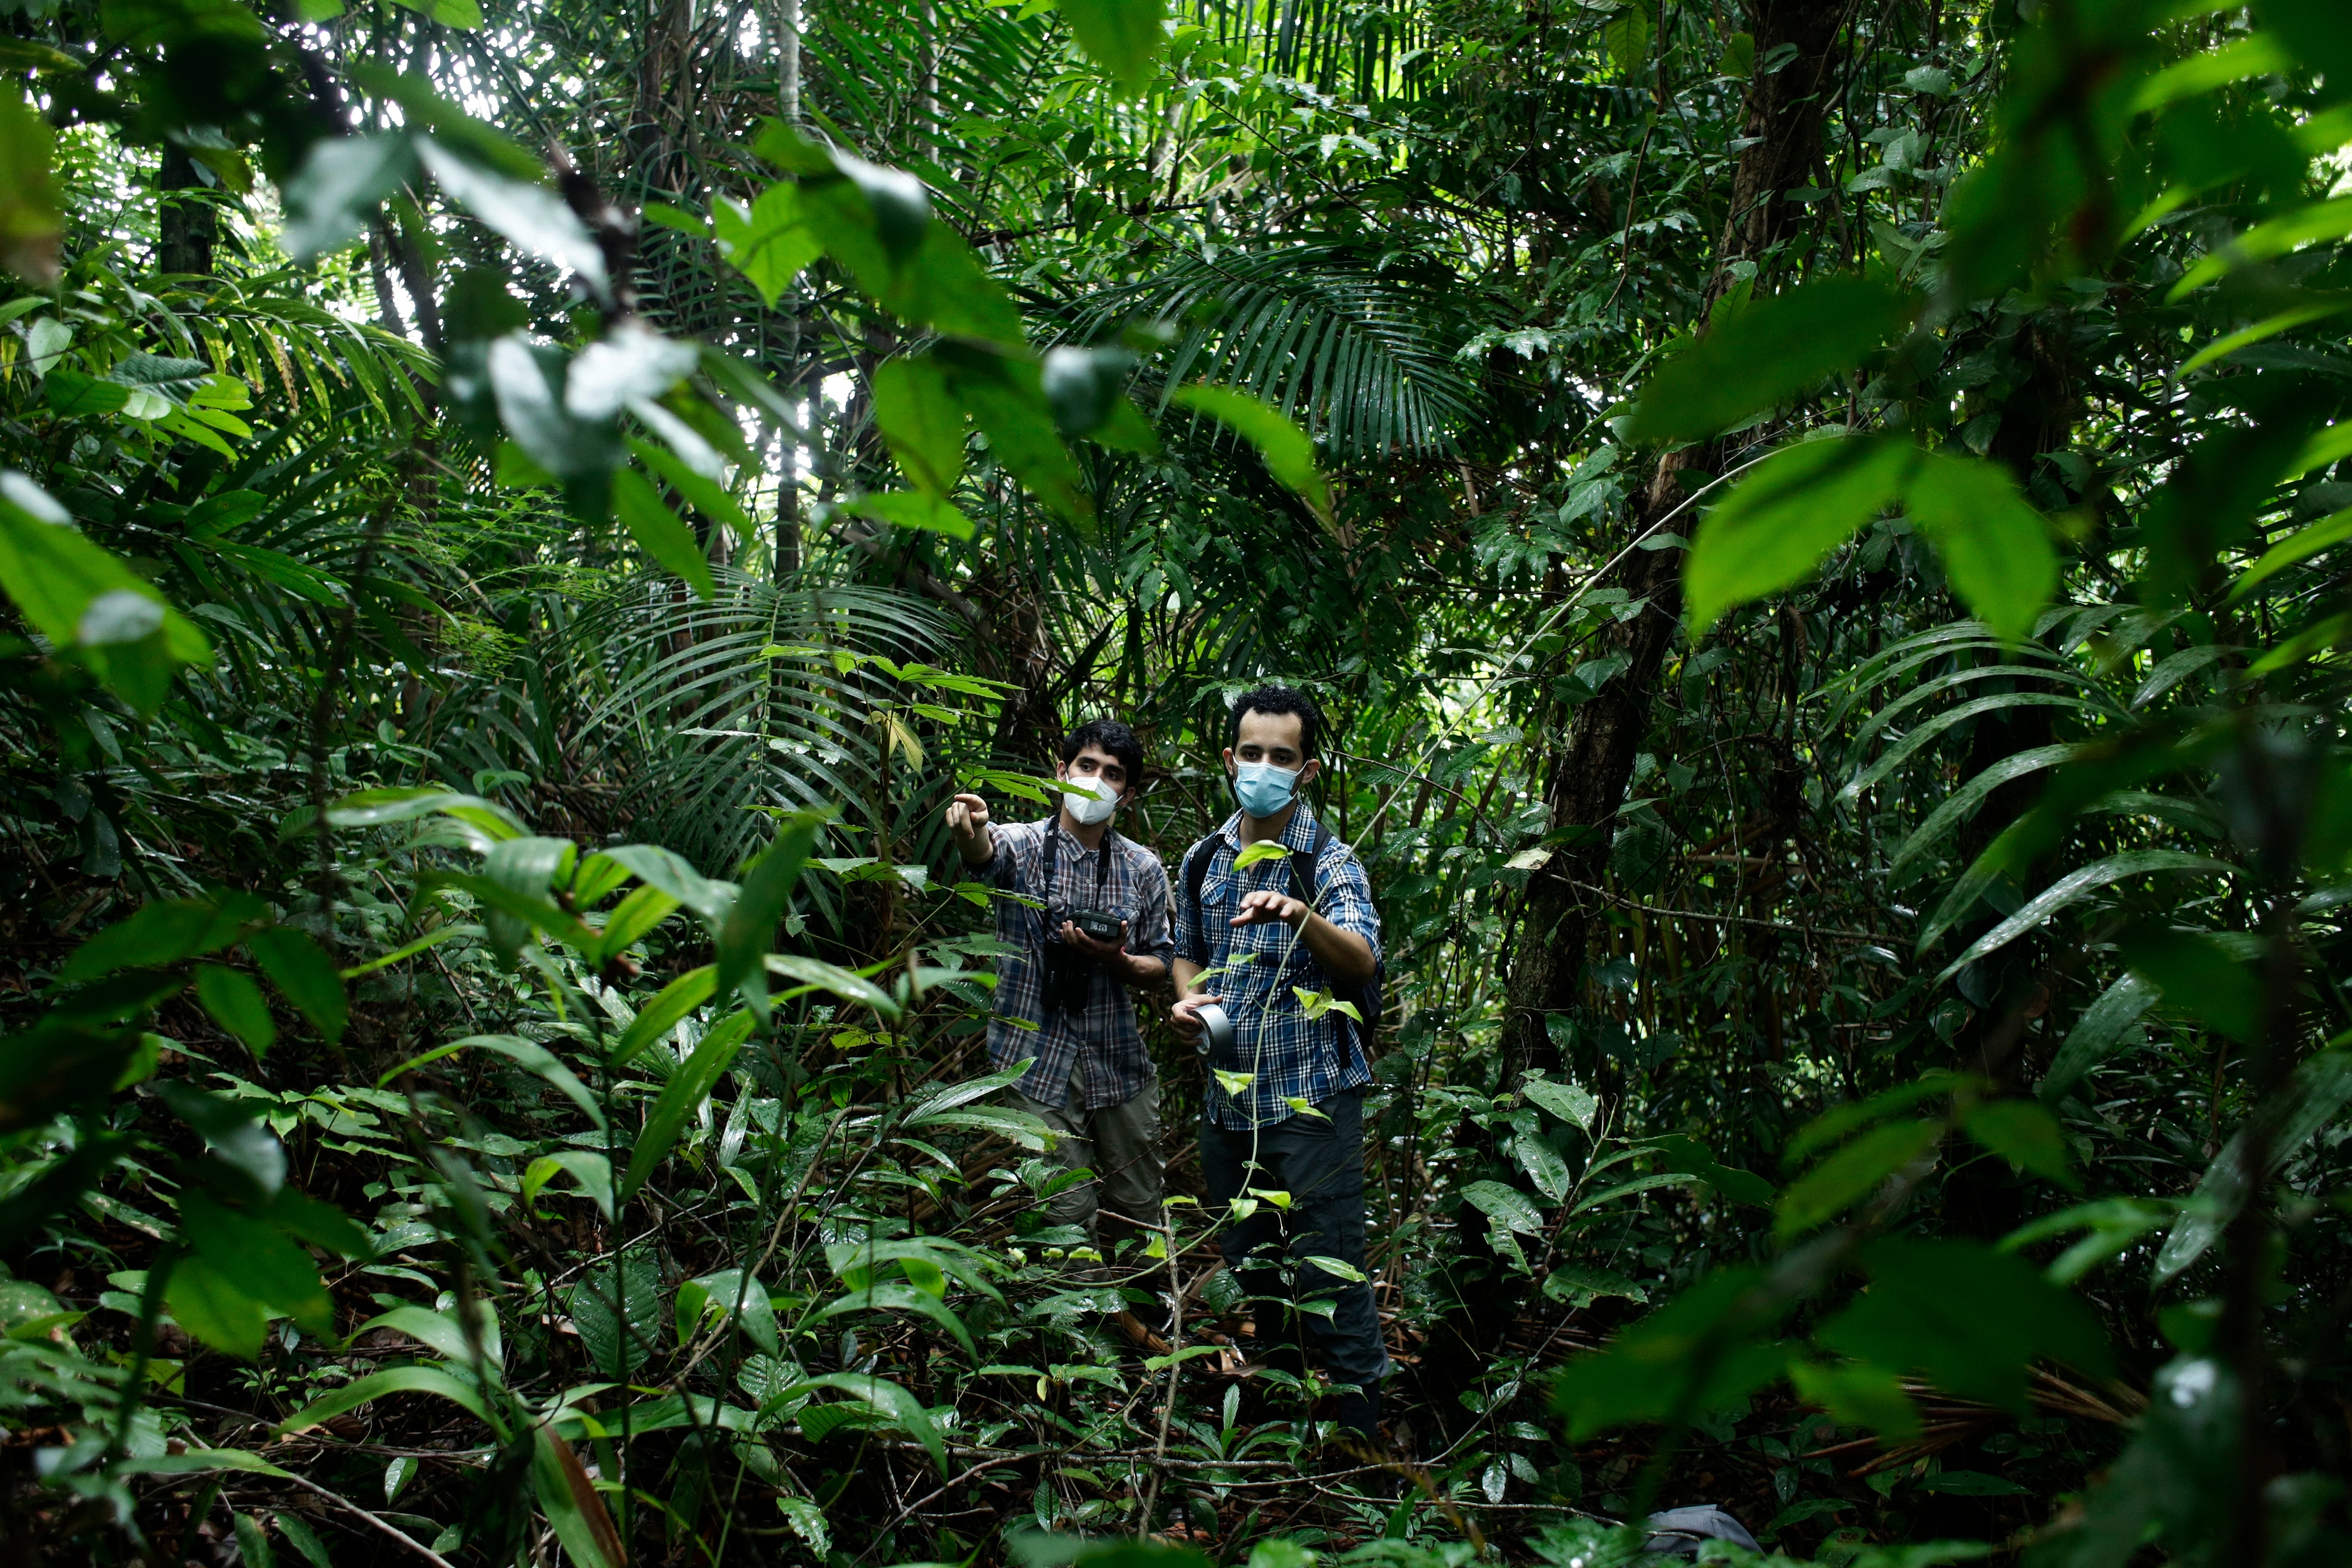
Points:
[(1120, 1144)]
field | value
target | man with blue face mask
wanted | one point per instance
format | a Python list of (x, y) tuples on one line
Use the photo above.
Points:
[(1085, 923), (1286, 1113)]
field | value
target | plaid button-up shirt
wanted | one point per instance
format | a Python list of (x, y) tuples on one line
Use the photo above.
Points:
[(1292, 1055), (1099, 1043)]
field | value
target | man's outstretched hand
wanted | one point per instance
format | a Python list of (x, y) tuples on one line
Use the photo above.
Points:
[(967, 818), (1266, 907)]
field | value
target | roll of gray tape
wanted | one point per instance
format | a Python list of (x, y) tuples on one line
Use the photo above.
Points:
[(1216, 1029)]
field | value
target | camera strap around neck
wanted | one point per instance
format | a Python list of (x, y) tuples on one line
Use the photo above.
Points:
[(1102, 864)]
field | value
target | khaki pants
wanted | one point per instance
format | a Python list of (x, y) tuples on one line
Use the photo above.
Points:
[(1120, 1144)]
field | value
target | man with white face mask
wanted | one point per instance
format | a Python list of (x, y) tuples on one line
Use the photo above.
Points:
[(1285, 1115), (1061, 995)]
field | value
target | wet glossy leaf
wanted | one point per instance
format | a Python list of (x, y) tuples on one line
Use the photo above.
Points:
[(1126, 37), (1769, 352), (1779, 522)]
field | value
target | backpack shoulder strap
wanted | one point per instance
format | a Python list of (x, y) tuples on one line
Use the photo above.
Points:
[(1196, 872), (1302, 881)]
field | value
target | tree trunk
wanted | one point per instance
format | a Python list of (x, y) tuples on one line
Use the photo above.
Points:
[(1587, 777), (187, 224)]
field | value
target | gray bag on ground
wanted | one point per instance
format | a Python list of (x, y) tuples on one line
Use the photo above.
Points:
[(1681, 1531)]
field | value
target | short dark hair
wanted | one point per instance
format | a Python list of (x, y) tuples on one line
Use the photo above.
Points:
[(1107, 735), (1277, 699)]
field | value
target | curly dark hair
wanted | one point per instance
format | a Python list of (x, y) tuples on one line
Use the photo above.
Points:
[(1279, 699)]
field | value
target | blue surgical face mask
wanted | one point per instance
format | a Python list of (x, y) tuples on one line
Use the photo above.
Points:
[(1264, 789)]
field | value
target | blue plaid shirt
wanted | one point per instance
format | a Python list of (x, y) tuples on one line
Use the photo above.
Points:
[(1294, 1057), (1098, 1049)]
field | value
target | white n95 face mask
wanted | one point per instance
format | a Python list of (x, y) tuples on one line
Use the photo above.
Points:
[(1088, 801)]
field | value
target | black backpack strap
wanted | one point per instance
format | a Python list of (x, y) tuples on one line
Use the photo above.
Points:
[(1196, 872), (1302, 882)]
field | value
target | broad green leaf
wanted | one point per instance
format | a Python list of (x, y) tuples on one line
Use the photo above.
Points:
[(1776, 524), (1254, 854), (56, 576), (532, 218), (1996, 548), (1971, 1320), (1126, 37), (333, 197), (635, 915), (767, 241), (807, 1521), (2196, 972), (2263, 330), (461, 1391), (524, 1054), (464, 14), (31, 223), (304, 976), (730, 1294), (592, 1170), (659, 533), (1626, 36), (1505, 1207), (1542, 1163), (921, 422), (1086, 389), (1769, 352), (2096, 1032), (1853, 1173), (893, 1295), (236, 1005), (912, 508), (662, 869), (566, 1495), (2299, 546), (1573, 1287), (892, 1401), (702, 491), (749, 928), (2311, 225), (630, 365), (1013, 1126), (660, 1016), (1007, 397), (232, 1130), (816, 974), (2077, 885), (2023, 1133), (440, 1331), (163, 933), (2116, 1224), (1859, 1394), (1288, 455), (524, 379), (74, 395), (1832, 1125), (263, 1263), (687, 1087), (1701, 1352), (375, 807), (1573, 1103), (208, 1301), (2257, 54)]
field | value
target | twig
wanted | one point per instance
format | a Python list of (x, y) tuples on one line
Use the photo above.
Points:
[(373, 1522)]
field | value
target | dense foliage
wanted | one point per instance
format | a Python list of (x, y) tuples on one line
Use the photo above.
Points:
[(1815, 525)]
